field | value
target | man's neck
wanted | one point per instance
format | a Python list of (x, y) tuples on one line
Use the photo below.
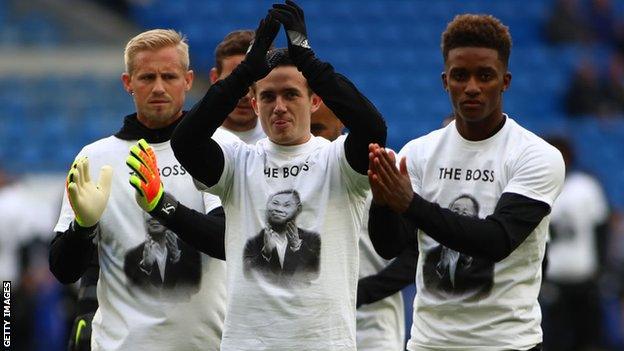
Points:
[(152, 124), (230, 125), (480, 130)]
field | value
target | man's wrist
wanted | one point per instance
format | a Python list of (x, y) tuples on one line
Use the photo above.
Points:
[(415, 207), (166, 208), (83, 232)]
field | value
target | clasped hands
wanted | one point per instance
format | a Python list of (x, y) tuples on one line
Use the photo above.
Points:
[(391, 186)]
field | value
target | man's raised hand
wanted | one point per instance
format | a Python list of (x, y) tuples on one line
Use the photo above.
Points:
[(255, 61), (390, 185), (291, 16), (88, 200), (145, 177)]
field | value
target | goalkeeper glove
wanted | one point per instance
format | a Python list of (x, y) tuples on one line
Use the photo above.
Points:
[(88, 200), (150, 192)]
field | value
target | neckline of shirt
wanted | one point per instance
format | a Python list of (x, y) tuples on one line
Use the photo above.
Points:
[(293, 150), (480, 143)]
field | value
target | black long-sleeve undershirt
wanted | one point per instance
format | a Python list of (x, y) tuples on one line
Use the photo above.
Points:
[(398, 274), (192, 137), (71, 252), (494, 237), (204, 232)]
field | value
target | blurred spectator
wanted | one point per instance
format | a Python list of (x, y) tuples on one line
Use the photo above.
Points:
[(565, 23), (612, 285), (28, 207), (572, 317), (593, 93), (602, 21), (42, 307), (614, 85), (584, 95)]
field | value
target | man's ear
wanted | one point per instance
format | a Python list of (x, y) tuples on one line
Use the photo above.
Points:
[(189, 77), (126, 79), (316, 102), (254, 105), (506, 80), (444, 81), (214, 76)]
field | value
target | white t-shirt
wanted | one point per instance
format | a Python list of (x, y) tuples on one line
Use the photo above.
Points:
[(307, 303), (137, 309), (249, 136), (380, 325), (467, 303), (573, 253)]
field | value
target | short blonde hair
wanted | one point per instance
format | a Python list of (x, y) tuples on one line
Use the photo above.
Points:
[(153, 40)]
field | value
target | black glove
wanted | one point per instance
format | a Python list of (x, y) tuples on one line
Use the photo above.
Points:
[(291, 16), (255, 63)]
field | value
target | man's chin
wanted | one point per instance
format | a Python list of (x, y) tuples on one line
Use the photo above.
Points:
[(241, 116)]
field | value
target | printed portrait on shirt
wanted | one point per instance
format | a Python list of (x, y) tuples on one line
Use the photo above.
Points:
[(163, 262), (455, 273), (282, 252)]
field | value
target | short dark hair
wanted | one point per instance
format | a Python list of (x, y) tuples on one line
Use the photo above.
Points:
[(483, 31), (279, 57), (234, 43)]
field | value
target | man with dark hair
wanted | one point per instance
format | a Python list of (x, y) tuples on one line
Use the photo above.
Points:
[(329, 177), (242, 120), (512, 174)]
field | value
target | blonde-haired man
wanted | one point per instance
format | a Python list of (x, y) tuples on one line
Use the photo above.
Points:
[(187, 315)]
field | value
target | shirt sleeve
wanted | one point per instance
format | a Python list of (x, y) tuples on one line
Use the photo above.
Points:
[(356, 183), (224, 184), (537, 173)]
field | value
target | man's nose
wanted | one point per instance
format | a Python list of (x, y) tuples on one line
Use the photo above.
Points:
[(280, 105), (472, 87), (159, 86)]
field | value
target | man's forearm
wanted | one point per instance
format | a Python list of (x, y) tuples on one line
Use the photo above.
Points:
[(71, 252), (191, 141), (203, 232), (493, 237), (398, 274), (388, 231), (354, 110)]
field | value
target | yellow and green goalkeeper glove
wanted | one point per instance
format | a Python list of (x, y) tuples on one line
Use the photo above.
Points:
[(88, 200), (145, 177)]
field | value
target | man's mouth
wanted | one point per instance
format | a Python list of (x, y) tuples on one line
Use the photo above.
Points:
[(281, 123), (472, 104)]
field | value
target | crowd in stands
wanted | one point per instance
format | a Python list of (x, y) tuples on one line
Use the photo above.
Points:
[(597, 27)]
